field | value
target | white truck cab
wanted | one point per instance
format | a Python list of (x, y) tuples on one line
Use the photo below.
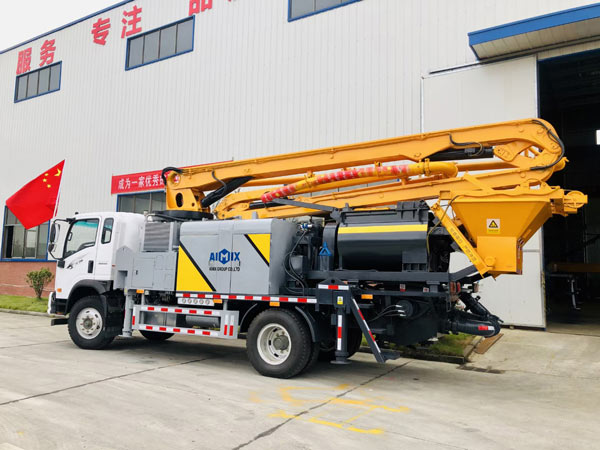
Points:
[(85, 247)]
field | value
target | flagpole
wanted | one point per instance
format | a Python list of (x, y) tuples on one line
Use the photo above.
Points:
[(58, 195)]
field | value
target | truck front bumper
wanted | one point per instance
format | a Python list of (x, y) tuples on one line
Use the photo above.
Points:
[(56, 305)]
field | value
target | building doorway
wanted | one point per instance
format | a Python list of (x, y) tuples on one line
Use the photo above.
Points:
[(569, 97)]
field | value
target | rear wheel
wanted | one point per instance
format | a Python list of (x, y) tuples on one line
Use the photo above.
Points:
[(87, 324), (314, 357), (155, 336), (279, 343)]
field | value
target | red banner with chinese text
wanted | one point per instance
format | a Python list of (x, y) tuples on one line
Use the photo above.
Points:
[(142, 181), (137, 182)]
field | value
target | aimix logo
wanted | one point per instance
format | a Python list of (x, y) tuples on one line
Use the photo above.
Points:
[(224, 257)]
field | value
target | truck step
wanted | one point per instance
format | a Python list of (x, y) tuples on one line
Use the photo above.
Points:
[(378, 330)]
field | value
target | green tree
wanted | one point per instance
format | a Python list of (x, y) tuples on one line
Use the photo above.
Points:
[(37, 279)]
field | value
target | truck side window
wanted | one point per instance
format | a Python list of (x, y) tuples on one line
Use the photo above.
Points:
[(107, 231), (81, 235)]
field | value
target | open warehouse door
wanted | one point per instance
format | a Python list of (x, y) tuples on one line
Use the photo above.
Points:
[(485, 94), (569, 88)]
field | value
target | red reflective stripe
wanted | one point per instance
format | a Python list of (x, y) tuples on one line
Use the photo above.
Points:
[(265, 298), (207, 313), (225, 330), (177, 330), (201, 296), (232, 297), (484, 327), (162, 328), (217, 296), (178, 310), (150, 308), (371, 334), (206, 333), (186, 295), (361, 316), (339, 332), (248, 297), (191, 331), (283, 299), (193, 311), (231, 330), (133, 320), (302, 300), (332, 286), (148, 327), (164, 309)]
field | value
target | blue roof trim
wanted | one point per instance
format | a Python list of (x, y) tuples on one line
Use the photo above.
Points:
[(89, 16), (537, 23)]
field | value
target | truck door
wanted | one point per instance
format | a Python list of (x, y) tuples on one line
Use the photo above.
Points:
[(79, 258), (105, 252)]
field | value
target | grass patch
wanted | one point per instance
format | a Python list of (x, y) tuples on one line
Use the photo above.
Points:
[(23, 303), (451, 344), (447, 345)]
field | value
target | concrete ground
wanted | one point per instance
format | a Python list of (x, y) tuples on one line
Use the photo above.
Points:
[(198, 393)]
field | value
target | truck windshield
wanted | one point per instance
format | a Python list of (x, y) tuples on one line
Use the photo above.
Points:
[(81, 235)]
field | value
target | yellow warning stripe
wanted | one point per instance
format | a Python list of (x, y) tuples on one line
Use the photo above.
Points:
[(262, 243), (189, 276), (382, 229)]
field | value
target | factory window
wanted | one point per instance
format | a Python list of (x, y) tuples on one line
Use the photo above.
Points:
[(19, 243), (140, 203), (38, 82), (297, 9), (159, 44)]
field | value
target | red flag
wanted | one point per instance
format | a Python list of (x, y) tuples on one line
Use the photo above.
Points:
[(35, 202)]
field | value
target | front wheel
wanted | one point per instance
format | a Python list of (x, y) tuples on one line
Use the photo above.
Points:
[(279, 343), (87, 324)]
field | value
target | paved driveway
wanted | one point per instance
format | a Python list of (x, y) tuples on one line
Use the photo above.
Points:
[(197, 393)]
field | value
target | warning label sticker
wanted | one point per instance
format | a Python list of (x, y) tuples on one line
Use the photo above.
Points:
[(493, 226)]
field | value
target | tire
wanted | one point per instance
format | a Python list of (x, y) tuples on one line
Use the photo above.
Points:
[(155, 336), (87, 324), (279, 343), (327, 352), (314, 357)]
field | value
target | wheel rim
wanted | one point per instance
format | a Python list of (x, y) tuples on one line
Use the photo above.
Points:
[(274, 344), (89, 323)]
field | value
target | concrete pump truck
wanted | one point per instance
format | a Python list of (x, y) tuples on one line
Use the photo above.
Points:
[(307, 253)]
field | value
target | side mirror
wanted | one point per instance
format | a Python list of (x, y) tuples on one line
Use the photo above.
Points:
[(53, 240), (54, 232)]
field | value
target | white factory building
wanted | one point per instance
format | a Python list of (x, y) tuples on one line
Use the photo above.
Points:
[(146, 84)]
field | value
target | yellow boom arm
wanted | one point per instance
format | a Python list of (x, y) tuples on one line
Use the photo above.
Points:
[(492, 209)]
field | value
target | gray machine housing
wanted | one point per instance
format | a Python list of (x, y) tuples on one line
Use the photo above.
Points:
[(227, 254), (154, 266)]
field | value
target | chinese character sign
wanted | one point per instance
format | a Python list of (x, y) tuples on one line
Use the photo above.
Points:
[(197, 6), (47, 53), (100, 31), (131, 21), (24, 62), (137, 182)]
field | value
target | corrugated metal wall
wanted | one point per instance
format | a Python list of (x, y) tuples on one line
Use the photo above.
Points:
[(254, 85)]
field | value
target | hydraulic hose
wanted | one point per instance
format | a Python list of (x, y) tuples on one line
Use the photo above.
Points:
[(399, 171)]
